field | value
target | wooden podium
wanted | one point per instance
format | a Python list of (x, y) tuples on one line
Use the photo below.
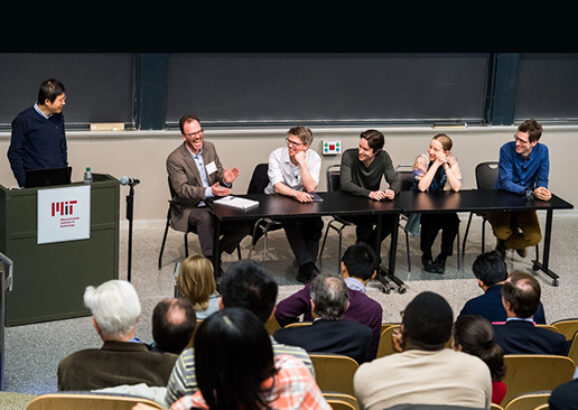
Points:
[(49, 279)]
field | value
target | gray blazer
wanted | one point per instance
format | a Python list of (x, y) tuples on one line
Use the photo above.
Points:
[(186, 181)]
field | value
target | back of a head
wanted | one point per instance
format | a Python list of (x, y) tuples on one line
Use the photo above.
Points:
[(228, 342), (173, 324), (360, 261), (522, 291), (115, 306), (247, 284), (427, 321), (330, 296), (490, 268), (475, 335), (196, 280)]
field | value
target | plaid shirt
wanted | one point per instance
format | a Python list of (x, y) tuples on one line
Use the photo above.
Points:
[(183, 380), (293, 388)]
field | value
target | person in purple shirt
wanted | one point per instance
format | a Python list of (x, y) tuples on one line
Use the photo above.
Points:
[(358, 267), (523, 168), (38, 138)]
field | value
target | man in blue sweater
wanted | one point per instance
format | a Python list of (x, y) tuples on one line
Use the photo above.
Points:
[(524, 167), (38, 140)]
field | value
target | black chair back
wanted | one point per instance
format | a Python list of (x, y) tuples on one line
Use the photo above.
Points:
[(405, 174), (333, 177), (486, 174), (259, 179)]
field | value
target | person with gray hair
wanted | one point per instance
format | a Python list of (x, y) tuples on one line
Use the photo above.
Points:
[(122, 359), (329, 333)]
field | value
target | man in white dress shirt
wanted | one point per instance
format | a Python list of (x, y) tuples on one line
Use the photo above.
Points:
[(294, 171)]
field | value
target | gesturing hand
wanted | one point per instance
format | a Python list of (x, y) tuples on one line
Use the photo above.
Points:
[(220, 190), (230, 175)]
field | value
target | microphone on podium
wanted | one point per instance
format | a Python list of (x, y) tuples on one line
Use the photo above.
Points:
[(129, 181)]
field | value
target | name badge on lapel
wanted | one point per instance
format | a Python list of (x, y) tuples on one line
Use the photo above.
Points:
[(211, 168)]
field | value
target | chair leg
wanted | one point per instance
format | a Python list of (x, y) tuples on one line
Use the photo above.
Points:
[(458, 250), (323, 244), (407, 251), (466, 234), (483, 235), (239, 252), (186, 246), (339, 252), (163, 244)]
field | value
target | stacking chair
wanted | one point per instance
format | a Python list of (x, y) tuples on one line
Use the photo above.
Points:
[(191, 229), (88, 401), (568, 327), (334, 372), (262, 226), (385, 348), (338, 224), (272, 325), (486, 175), (337, 404), (168, 224), (528, 401), (533, 373), (495, 406), (573, 350)]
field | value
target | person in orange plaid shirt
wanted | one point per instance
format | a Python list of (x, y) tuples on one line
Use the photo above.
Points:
[(236, 368)]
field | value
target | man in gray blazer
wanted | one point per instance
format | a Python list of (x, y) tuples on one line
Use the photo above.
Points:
[(195, 174)]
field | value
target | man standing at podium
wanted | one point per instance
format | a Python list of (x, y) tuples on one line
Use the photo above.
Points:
[(38, 140), (524, 167), (195, 174)]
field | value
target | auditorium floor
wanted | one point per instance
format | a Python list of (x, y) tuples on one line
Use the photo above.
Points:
[(32, 352)]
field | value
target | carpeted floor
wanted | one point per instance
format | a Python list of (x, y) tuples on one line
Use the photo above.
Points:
[(32, 352)]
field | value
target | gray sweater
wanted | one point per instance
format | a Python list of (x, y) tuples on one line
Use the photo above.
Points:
[(359, 180)]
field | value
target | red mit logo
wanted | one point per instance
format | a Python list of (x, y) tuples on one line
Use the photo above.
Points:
[(63, 208)]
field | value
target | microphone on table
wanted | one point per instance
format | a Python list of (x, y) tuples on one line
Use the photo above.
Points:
[(129, 181)]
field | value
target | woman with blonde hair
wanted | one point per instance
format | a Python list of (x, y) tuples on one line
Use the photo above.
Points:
[(196, 282), (437, 170)]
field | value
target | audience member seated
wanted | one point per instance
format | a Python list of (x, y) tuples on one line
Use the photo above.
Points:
[(490, 271), (565, 396), (521, 296), (173, 325), (358, 267), (236, 368), (246, 284), (115, 308), (329, 333), (196, 282), (474, 335), (424, 372)]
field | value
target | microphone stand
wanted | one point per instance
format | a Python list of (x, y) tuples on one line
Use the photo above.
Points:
[(129, 216)]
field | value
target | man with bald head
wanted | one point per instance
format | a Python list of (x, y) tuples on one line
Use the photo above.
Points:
[(173, 324), (521, 297)]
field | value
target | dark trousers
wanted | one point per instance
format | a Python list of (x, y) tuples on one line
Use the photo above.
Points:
[(203, 221), (366, 229), (303, 235), (430, 226)]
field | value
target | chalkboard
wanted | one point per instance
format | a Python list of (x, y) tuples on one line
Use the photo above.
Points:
[(547, 87), (327, 88), (99, 87)]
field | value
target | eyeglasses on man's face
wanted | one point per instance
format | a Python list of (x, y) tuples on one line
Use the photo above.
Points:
[(293, 143)]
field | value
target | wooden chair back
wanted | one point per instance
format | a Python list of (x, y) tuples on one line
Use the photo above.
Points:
[(333, 372), (533, 373), (87, 401), (528, 401), (568, 327), (343, 397)]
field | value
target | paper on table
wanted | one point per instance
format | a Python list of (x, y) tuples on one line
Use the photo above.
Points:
[(236, 202)]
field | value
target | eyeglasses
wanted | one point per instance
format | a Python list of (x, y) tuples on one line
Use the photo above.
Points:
[(520, 140), (293, 143), (194, 134)]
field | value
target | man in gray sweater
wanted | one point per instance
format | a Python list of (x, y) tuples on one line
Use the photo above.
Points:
[(362, 169)]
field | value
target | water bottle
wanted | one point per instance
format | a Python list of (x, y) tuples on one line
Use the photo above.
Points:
[(87, 176)]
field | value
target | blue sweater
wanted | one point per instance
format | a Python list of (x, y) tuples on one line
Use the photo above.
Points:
[(36, 143), (517, 173)]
